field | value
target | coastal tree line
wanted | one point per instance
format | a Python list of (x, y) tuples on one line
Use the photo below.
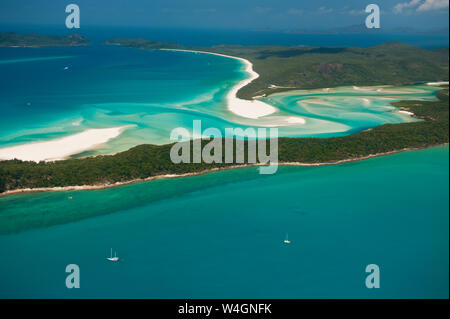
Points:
[(145, 161)]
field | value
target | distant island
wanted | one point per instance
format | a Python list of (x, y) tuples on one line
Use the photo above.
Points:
[(280, 68), (11, 39), (142, 44)]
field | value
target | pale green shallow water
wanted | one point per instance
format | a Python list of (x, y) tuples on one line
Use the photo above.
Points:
[(218, 235), (48, 93), (221, 235)]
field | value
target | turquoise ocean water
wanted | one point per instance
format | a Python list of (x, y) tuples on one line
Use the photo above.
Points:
[(221, 235), (48, 93)]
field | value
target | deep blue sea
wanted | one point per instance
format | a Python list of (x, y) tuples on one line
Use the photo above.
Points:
[(218, 235), (221, 235)]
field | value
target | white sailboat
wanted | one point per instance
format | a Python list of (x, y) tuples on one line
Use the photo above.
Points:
[(287, 241), (115, 258)]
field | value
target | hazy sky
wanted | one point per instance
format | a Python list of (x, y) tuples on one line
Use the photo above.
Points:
[(241, 14)]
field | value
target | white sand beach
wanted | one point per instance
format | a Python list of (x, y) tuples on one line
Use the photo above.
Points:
[(406, 112), (249, 109), (438, 83), (61, 148)]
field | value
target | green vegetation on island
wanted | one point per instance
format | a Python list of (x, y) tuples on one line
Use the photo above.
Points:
[(284, 68), (145, 161), (11, 39), (290, 67), (142, 44)]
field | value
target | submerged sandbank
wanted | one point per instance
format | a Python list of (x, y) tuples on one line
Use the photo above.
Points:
[(249, 109), (307, 117), (45, 58), (206, 171), (59, 149)]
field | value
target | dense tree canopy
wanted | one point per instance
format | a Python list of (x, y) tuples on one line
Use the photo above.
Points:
[(151, 160)]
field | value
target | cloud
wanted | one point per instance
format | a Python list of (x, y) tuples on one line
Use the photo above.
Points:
[(296, 12), (207, 10), (433, 5), (324, 10), (356, 12), (421, 5), (262, 10), (406, 5)]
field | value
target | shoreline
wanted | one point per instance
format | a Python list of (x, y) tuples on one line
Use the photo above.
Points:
[(441, 83), (253, 109), (61, 148), (168, 176)]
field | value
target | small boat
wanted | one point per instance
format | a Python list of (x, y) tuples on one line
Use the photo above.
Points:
[(115, 258), (66, 68), (287, 241)]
